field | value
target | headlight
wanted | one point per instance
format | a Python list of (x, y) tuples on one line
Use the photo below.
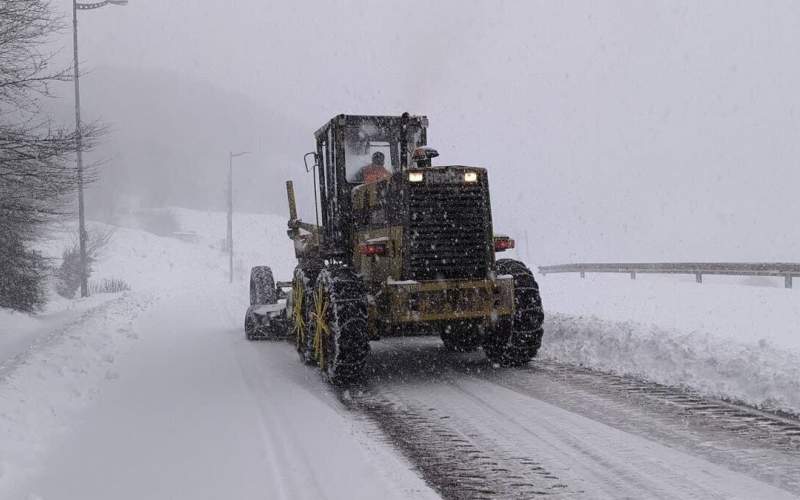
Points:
[(471, 177), (415, 177)]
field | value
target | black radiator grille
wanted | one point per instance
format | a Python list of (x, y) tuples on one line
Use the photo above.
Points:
[(448, 226)]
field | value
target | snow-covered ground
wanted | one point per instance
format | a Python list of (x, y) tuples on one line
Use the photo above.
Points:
[(154, 393), (721, 338), (19, 332)]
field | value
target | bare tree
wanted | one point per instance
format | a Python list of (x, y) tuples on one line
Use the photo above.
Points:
[(37, 174)]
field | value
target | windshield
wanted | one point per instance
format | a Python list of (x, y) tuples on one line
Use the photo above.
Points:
[(372, 151), (359, 159)]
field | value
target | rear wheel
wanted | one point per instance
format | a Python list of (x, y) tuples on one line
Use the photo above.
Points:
[(514, 341), (262, 286), (249, 325), (340, 342)]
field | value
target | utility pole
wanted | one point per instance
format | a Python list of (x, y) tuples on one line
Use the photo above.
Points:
[(231, 156), (79, 134)]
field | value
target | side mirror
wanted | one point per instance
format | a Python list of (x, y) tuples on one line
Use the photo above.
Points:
[(315, 156)]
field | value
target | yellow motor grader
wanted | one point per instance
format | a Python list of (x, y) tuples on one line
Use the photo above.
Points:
[(400, 247)]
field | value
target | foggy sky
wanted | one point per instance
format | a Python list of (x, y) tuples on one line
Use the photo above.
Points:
[(612, 130)]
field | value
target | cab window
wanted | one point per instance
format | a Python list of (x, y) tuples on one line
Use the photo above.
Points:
[(364, 148)]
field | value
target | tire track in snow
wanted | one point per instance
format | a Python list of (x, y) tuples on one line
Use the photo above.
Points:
[(477, 432), (452, 459), (745, 439)]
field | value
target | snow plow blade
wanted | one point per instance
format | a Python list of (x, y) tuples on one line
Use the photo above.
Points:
[(266, 322)]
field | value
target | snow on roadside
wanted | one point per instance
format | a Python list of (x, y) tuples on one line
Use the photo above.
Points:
[(52, 364), (21, 331), (720, 339), (147, 261), (259, 239), (44, 388)]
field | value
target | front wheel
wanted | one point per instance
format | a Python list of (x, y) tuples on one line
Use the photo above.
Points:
[(300, 321), (514, 341), (341, 341)]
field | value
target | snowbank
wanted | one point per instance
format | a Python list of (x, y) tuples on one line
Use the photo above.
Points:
[(721, 338), (148, 262), (18, 331)]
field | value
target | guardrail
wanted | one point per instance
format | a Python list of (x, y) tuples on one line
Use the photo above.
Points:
[(779, 269)]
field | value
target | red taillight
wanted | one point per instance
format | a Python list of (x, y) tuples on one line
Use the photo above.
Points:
[(503, 244), (370, 249)]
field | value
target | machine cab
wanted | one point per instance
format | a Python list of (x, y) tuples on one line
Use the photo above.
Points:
[(351, 151)]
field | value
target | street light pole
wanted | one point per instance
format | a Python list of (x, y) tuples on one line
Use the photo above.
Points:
[(79, 148), (231, 156), (79, 134)]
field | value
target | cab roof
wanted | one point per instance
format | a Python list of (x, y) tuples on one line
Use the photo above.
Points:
[(390, 121)]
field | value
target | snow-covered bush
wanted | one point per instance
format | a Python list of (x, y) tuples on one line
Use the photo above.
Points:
[(68, 275)]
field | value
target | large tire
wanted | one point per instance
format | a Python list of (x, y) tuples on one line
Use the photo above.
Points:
[(341, 341), (262, 286), (515, 341), (250, 325), (300, 322), (462, 336)]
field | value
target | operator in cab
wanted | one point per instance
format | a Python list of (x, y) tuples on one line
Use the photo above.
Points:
[(374, 171)]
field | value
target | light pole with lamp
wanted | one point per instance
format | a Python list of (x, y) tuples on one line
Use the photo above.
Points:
[(79, 135), (231, 156)]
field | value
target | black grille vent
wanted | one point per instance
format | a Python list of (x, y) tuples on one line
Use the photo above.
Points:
[(448, 225)]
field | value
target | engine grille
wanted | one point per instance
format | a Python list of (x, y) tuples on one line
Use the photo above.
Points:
[(448, 226)]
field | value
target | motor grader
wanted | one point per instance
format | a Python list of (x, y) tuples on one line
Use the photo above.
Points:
[(407, 253)]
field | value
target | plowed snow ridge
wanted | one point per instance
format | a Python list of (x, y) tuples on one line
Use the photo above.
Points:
[(721, 338)]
